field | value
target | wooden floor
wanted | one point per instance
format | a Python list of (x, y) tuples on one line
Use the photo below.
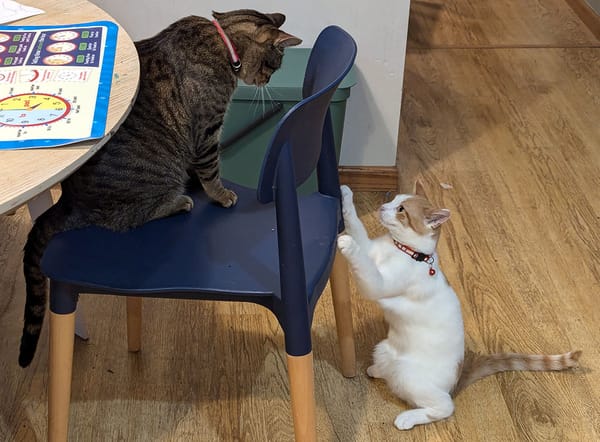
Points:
[(501, 102)]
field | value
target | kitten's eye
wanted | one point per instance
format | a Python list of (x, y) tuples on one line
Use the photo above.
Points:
[(400, 209)]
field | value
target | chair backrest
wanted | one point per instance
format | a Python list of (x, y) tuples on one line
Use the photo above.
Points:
[(305, 131)]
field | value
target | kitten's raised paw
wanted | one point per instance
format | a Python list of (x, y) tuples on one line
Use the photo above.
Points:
[(346, 197), (346, 191), (346, 244)]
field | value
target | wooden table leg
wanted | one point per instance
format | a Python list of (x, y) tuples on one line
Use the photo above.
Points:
[(40, 204)]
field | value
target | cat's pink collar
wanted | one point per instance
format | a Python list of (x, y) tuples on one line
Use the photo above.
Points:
[(235, 58), (417, 256)]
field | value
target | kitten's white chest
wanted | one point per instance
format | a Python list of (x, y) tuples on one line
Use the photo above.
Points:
[(425, 320)]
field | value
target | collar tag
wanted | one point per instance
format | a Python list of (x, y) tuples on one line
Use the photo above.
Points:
[(417, 256)]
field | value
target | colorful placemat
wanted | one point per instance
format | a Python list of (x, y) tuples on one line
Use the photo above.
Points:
[(55, 83)]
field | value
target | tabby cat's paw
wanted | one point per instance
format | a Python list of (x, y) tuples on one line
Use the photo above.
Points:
[(228, 198), (346, 244), (184, 204)]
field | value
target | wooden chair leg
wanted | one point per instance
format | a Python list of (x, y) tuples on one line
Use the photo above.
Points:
[(134, 323), (60, 367), (302, 392), (342, 307)]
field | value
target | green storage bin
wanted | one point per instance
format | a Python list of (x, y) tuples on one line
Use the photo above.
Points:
[(242, 156)]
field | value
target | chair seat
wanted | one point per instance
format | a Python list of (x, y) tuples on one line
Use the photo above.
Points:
[(211, 252)]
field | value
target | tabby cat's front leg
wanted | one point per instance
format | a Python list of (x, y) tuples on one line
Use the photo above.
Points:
[(215, 191), (207, 171)]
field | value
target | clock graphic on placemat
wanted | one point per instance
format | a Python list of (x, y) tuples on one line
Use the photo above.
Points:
[(32, 109)]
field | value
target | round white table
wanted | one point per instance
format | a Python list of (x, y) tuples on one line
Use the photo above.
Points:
[(27, 175)]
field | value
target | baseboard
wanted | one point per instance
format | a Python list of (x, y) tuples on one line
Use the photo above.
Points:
[(587, 14), (370, 178)]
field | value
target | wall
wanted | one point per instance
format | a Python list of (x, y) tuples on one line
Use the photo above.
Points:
[(373, 111), (595, 5)]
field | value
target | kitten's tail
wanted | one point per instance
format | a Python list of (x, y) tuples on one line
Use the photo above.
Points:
[(476, 366), (53, 221)]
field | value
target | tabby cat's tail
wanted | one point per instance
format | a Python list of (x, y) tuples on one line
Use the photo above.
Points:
[(476, 367), (46, 225)]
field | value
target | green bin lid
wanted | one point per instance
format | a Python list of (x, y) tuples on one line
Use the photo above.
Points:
[(286, 82)]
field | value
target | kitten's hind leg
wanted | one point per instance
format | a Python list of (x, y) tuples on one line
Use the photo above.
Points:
[(373, 372), (435, 405), (384, 357), (182, 203)]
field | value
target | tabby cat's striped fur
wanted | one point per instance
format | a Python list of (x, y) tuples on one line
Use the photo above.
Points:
[(423, 359), (172, 132)]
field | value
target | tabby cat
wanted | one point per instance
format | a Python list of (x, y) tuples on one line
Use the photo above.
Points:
[(423, 358), (186, 83)]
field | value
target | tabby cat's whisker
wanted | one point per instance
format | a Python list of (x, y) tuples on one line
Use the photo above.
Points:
[(268, 92), (278, 96), (254, 102)]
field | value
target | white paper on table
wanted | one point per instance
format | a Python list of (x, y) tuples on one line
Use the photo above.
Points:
[(11, 11)]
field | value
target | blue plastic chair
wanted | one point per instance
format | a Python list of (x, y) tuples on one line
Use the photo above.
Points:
[(274, 248)]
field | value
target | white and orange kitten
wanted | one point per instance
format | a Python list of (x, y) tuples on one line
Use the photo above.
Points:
[(423, 358)]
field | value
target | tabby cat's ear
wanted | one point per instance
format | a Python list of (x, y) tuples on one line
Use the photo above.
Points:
[(277, 18), (436, 218), (284, 40)]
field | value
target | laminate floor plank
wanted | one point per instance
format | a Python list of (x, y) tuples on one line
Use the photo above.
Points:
[(474, 23)]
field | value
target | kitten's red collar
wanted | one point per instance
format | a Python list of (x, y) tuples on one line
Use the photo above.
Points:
[(236, 64), (417, 256)]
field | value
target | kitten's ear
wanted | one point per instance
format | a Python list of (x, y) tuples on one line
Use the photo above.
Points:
[(277, 18), (419, 189), (436, 218), (284, 40)]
